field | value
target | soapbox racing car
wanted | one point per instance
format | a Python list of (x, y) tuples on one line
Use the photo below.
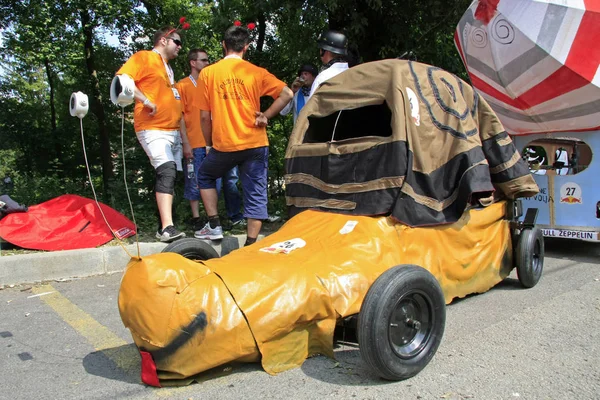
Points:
[(405, 192), (279, 300)]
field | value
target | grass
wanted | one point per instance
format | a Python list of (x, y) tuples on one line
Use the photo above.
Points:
[(145, 235)]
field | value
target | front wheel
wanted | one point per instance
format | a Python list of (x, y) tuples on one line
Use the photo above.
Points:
[(401, 322), (192, 248)]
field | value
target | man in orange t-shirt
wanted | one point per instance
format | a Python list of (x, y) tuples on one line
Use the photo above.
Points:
[(235, 127), (156, 117), (190, 101)]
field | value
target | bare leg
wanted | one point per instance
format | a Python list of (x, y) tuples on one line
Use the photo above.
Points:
[(254, 226), (195, 210), (164, 202), (210, 199)]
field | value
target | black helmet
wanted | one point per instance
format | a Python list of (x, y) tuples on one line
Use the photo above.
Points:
[(311, 69), (335, 42)]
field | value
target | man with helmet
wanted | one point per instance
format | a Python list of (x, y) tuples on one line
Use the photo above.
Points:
[(333, 48), (301, 88)]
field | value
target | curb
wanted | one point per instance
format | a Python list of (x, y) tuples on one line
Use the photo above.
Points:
[(73, 264)]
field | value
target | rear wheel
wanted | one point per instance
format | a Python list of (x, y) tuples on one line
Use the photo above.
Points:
[(529, 256), (401, 322), (192, 248)]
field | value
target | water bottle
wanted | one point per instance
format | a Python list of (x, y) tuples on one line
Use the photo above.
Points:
[(190, 168)]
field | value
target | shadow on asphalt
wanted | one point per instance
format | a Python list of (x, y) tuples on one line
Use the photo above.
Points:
[(119, 363), (347, 369), (508, 284), (123, 364), (571, 249)]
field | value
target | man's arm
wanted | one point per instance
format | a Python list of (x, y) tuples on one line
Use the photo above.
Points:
[(296, 85), (289, 107), (206, 124), (262, 118), (187, 149), (141, 97)]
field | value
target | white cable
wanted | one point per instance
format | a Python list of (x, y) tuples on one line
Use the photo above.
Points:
[(87, 166), (137, 240), (335, 126)]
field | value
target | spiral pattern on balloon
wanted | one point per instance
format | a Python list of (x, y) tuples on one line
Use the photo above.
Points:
[(502, 31), (479, 37)]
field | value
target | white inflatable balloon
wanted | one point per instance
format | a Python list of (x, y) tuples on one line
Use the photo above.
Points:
[(121, 90), (79, 104)]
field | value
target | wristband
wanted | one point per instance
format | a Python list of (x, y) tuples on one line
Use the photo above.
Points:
[(146, 102)]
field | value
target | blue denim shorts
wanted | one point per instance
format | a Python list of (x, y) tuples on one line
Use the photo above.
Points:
[(191, 190), (253, 166)]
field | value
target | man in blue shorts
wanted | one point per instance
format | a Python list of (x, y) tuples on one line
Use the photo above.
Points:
[(190, 98), (236, 128)]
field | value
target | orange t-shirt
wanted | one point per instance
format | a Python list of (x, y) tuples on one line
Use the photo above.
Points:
[(148, 71), (232, 89), (190, 103)]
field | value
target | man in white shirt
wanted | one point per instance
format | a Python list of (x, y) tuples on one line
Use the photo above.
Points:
[(333, 48), (301, 88)]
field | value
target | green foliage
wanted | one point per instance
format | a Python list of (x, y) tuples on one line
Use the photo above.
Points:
[(45, 58)]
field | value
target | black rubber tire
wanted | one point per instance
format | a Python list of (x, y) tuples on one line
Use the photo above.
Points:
[(192, 248), (407, 294), (529, 256)]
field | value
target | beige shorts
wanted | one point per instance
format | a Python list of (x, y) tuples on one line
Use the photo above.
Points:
[(162, 147)]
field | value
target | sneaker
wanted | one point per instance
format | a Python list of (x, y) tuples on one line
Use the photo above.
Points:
[(169, 234), (196, 223), (240, 223), (209, 233), (273, 218)]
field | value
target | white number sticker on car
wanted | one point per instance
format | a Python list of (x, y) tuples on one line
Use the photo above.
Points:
[(285, 247), (348, 227)]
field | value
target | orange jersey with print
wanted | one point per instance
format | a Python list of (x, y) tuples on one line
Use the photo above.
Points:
[(232, 89), (190, 104), (148, 71)]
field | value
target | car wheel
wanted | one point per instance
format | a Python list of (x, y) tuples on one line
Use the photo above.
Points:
[(401, 322), (529, 256), (192, 248)]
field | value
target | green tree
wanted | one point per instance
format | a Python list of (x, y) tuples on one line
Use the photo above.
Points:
[(51, 48)]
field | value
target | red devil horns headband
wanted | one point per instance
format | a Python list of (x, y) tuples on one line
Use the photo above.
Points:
[(182, 24), (250, 25)]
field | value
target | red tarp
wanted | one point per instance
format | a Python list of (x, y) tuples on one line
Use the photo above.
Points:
[(64, 223)]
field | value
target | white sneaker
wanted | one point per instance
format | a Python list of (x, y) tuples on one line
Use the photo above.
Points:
[(240, 223), (209, 233), (273, 218)]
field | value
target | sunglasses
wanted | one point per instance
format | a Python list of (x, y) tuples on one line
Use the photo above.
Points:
[(176, 41), (203, 59)]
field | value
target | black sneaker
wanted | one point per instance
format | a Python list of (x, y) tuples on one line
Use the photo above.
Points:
[(196, 223), (169, 234)]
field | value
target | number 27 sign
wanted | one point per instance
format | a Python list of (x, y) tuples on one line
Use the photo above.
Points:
[(570, 193)]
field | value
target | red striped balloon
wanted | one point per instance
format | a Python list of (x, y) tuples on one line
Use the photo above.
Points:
[(535, 61)]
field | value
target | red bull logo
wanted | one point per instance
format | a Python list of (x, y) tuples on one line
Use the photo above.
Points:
[(570, 200)]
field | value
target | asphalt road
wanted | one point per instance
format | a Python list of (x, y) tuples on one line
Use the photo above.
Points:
[(509, 343)]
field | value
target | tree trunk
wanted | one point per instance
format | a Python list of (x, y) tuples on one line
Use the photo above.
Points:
[(262, 29), (96, 103), (152, 9), (57, 147)]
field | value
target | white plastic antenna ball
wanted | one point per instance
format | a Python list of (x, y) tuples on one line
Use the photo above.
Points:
[(79, 104)]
